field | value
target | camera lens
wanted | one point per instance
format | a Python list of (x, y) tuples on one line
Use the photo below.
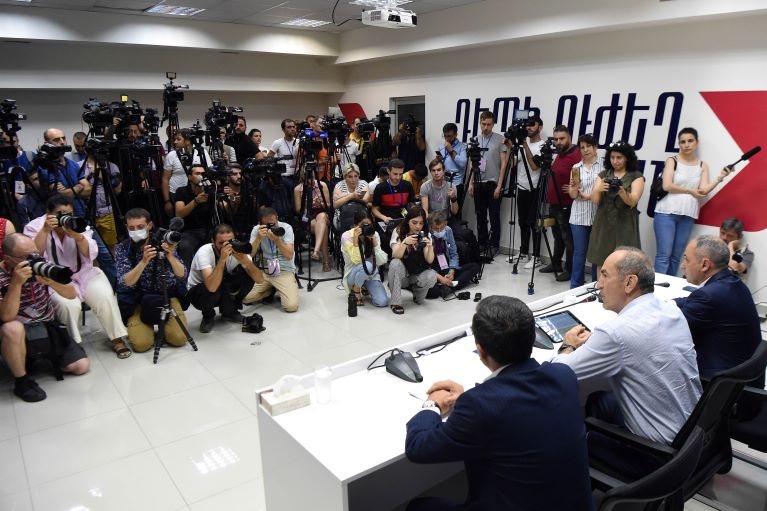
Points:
[(72, 222), (43, 268)]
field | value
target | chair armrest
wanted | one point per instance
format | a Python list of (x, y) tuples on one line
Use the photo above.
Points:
[(627, 437), (759, 394)]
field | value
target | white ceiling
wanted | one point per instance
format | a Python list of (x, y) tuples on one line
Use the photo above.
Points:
[(268, 13)]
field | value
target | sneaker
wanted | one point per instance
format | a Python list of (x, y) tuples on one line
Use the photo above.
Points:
[(29, 391), (532, 261), (522, 259), (206, 325), (232, 317)]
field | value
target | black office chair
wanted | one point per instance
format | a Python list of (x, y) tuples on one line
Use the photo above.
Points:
[(712, 414), (661, 489), (751, 428)]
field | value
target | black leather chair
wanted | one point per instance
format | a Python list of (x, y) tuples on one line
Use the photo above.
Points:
[(751, 427), (661, 489), (712, 414)]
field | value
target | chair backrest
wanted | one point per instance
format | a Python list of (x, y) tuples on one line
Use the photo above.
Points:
[(667, 481)]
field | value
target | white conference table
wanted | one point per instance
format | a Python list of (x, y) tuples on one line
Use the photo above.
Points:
[(349, 454)]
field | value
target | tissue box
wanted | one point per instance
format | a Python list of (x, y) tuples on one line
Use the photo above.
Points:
[(292, 400)]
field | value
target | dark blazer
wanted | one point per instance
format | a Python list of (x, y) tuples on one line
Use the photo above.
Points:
[(521, 436), (723, 322)]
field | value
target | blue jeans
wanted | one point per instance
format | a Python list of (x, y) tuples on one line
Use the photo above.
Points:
[(358, 277), (105, 259), (581, 235), (671, 235)]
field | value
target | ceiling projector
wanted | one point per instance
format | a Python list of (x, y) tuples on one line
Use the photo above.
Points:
[(388, 17)]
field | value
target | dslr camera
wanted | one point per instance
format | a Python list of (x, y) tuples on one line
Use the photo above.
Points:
[(420, 239), (368, 229), (411, 124), (43, 268), (241, 247), (615, 185), (72, 222), (276, 229)]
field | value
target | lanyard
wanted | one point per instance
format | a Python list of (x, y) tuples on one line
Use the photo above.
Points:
[(289, 146), (55, 256), (393, 190)]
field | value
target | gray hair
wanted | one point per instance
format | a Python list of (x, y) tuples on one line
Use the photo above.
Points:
[(636, 262), (713, 249)]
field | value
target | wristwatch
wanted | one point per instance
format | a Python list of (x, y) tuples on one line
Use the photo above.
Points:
[(430, 404), (565, 346)]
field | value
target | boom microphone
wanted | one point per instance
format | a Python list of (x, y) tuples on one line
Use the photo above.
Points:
[(746, 156)]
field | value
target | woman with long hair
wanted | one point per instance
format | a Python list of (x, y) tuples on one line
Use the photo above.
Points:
[(313, 209), (412, 256), (361, 248)]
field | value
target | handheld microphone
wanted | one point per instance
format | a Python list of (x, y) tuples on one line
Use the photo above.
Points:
[(663, 284), (746, 156)]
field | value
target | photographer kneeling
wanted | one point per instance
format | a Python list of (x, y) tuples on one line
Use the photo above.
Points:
[(361, 245), (412, 256), (450, 274), (275, 240), (66, 240), (222, 273), (139, 285), (25, 299)]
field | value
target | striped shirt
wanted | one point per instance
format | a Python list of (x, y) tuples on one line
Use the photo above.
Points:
[(583, 210), (34, 303)]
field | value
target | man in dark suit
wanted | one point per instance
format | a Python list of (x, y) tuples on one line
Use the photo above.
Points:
[(518, 433), (721, 313)]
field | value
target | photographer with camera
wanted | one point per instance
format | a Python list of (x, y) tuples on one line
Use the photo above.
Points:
[(274, 239), (451, 275), (177, 167), (222, 273), (362, 252), (243, 145), (412, 257), (492, 174), (454, 160), (391, 201), (616, 192), (527, 192), (65, 239), (410, 146), (139, 289), (195, 204), (28, 319), (286, 146), (560, 202)]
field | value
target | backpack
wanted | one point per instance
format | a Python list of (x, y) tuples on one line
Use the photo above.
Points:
[(46, 341), (656, 188)]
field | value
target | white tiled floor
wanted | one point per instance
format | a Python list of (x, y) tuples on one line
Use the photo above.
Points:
[(182, 434)]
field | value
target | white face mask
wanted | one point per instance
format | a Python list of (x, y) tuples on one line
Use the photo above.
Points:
[(138, 235)]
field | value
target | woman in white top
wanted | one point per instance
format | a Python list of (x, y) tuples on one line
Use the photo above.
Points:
[(176, 169), (582, 179), (350, 190), (686, 179)]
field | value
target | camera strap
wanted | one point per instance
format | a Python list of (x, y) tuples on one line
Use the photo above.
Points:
[(55, 256)]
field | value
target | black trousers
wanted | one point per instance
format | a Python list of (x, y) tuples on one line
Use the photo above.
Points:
[(563, 237), (228, 297), (484, 201), (191, 241), (463, 276), (527, 210)]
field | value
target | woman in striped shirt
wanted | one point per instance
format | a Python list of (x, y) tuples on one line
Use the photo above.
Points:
[(582, 179)]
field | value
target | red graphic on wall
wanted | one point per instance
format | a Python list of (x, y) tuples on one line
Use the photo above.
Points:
[(744, 116)]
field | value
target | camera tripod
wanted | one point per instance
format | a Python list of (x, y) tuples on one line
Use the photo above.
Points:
[(474, 175), (542, 222), (166, 311), (517, 155)]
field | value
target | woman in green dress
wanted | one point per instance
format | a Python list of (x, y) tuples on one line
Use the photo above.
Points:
[(617, 192)]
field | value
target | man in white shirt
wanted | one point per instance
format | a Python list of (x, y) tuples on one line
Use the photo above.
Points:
[(286, 146)]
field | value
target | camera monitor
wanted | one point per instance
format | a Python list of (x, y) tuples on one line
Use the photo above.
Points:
[(523, 115)]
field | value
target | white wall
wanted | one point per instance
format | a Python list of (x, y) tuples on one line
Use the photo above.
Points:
[(719, 55)]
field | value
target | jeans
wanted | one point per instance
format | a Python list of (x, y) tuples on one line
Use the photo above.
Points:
[(357, 277), (563, 237), (671, 235), (527, 211), (581, 235), (105, 259)]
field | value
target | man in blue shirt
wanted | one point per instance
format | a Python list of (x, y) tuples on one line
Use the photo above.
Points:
[(453, 154)]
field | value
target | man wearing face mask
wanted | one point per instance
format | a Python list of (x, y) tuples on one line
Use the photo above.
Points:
[(196, 208), (139, 287)]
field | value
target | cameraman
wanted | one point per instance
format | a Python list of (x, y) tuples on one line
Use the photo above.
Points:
[(196, 208), (454, 159), (76, 251), (527, 193), (139, 291), (286, 146), (220, 277), (410, 144), (25, 299), (177, 167), (243, 145), (279, 270)]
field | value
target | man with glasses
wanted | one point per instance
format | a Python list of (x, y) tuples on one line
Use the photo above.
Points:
[(453, 156)]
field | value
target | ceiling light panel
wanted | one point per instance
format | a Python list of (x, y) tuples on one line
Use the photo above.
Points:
[(173, 10)]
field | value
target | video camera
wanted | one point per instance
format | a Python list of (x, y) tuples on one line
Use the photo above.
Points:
[(474, 150), (48, 154), (517, 132), (335, 127), (171, 95), (365, 128), (265, 167), (9, 119), (382, 121), (219, 116), (411, 124), (546, 156)]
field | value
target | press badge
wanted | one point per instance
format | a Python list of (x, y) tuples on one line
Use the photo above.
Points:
[(442, 260), (273, 267), (482, 166), (20, 188)]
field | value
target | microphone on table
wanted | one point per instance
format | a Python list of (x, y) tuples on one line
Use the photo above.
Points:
[(663, 284), (746, 156)]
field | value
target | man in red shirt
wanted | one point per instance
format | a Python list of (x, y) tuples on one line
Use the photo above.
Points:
[(559, 203)]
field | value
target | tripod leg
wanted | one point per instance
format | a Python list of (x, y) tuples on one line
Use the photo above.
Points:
[(159, 338), (183, 328)]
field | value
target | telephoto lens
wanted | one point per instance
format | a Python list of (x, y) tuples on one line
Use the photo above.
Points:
[(72, 222), (276, 229), (241, 247), (43, 268)]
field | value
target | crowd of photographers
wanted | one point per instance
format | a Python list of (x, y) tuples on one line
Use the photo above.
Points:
[(218, 227)]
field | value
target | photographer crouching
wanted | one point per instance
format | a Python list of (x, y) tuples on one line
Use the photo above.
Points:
[(26, 301), (221, 274), (139, 286), (64, 239)]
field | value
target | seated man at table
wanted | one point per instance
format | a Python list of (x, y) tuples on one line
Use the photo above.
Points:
[(721, 313), (645, 354), (518, 433)]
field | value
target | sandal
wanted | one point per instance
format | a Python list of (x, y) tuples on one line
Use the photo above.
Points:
[(326, 266), (315, 256), (397, 309), (121, 349), (358, 296)]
